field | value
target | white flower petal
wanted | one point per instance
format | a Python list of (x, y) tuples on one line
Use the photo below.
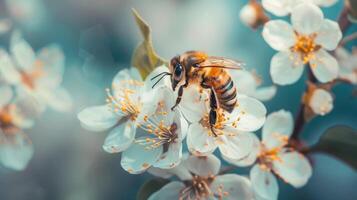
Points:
[(294, 168), (23, 53), (162, 173), (277, 128), (127, 79), (203, 165), (98, 118), (172, 157), (138, 158), (321, 102), (279, 7), (249, 115), (169, 191), (120, 138), (194, 104), (279, 35), (237, 147), (324, 66), (198, 140), (16, 152), (264, 183), (284, 70), (329, 35), (58, 99), (165, 81), (244, 81), (265, 93), (306, 18), (233, 186), (156, 102), (325, 3), (248, 159), (51, 60), (6, 95), (8, 72)]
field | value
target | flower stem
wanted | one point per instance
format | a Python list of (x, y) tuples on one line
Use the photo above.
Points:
[(299, 120), (343, 21)]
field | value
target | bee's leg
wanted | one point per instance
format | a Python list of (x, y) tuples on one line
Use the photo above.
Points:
[(213, 112), (179, 97)]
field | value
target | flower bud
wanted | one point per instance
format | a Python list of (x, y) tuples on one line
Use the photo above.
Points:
[(252, 15), (318, 101)]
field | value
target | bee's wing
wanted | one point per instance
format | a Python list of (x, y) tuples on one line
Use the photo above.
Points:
[(221, 62)]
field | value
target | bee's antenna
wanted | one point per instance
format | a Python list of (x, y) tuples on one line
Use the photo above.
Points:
[(164, 74), (159, 75)]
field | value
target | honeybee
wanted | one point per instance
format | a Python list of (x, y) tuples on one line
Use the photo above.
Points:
[(210, 72)]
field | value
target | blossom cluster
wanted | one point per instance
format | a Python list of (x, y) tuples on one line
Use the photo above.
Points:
[(152, 137), (29, 83)]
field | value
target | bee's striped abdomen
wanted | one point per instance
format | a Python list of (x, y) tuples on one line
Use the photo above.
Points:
[(225, 90)]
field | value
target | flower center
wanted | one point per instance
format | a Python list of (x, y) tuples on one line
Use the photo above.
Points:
[(29, 78), (305, 45), (160, 133), (268, 155), (222, 121), (6, 120), (197, 188), (125, 99)]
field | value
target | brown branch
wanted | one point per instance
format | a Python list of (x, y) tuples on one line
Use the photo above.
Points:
[(347, 39), (343, 20), (300, 119)]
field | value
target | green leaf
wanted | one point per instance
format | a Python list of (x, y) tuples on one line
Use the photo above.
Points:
[(150, 187), (341, 142), (144, 57)]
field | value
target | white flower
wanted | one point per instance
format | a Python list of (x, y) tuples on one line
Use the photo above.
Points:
[(16, 148), (39, 76), (120, 114), (348, 64), (200, 180), (252, 14), (273, 156), (248, 83), (306, 41), (31, 13), (285, 7), (160, 145), (320, 101), (231, 131)]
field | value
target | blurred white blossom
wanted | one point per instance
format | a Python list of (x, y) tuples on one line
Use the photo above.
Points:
[(285, 7), (249, 83), (200, 179), (306, 41), (348, 64), (16, 148), (37, 75), (273, 156)]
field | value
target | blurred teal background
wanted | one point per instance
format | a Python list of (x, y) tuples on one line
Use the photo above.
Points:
[(98, 38)]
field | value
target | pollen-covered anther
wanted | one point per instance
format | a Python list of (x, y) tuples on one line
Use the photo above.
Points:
[(122, 102), (305, 46)]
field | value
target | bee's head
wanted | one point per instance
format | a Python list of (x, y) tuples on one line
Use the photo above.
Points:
[(177, 71)]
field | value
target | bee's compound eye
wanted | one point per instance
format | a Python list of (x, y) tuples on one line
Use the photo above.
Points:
[(178, 70)]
